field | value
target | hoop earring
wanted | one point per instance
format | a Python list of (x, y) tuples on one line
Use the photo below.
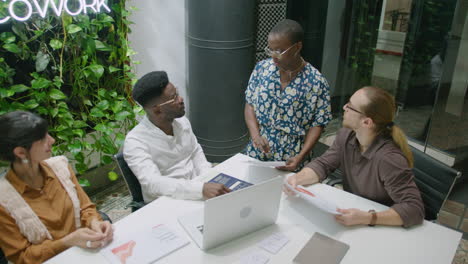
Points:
[(25, 161)]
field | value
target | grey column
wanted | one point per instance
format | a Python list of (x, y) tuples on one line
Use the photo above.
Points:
[(220, 54)]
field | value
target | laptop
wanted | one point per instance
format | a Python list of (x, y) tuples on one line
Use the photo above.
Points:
[(235, 214)]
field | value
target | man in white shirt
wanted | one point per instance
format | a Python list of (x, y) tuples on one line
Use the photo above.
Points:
[(162, 150)]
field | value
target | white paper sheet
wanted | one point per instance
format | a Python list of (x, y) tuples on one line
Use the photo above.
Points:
[(318, 202), (254, 257), (143, 246), (274, 243), (268, 164)]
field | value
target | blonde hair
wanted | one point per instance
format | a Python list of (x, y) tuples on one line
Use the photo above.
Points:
[(381, 109)]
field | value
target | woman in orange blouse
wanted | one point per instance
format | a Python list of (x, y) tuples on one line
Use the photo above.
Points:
[(43, 209)]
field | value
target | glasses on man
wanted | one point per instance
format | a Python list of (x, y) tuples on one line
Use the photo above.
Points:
[(276, 53), (347, 106), (170, 101)]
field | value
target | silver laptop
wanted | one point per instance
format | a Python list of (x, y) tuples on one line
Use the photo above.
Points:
[(235, 214)]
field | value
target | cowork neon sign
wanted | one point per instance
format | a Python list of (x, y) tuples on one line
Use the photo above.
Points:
[(27, 9)]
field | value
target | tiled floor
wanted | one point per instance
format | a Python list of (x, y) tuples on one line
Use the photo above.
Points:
[(114, 200)]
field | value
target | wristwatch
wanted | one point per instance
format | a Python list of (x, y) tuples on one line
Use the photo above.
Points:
[(374, 217)]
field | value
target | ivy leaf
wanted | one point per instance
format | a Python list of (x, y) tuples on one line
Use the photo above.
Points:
[(42, 110), (96, 112), (97, 70), (6, 92), (53, 112), (72, 29), (107, 159), (56, 44), (31, 104), (101, 46), (7, 37), (83, 182), (19, 29), (117, 106), (103, 105), (112, 175), (78, 132), (106, 18), (75, 147), (18, 88), (42, 60), (89, 46), (79, 124), (40, 83), (56, 94), (113, 69), (12, 47), (101, 127), (102, 92), (122, 115)]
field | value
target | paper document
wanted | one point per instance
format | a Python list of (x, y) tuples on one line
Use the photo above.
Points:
[(268, 164), (254, 257), (318, 202), (143, 246), (274, 243)]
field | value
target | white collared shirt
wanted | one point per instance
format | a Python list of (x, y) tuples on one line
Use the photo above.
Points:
[(164, 164)]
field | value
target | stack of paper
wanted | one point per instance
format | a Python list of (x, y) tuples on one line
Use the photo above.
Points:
[(268, 164), (144, 246), (320, 203)]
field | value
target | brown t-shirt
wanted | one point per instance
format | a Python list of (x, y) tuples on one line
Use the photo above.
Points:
[(54, 208), (380, 174)]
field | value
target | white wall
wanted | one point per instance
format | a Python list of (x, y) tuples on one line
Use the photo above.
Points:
[(158, 37)]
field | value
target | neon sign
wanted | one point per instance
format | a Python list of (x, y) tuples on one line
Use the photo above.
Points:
[(82, 7)]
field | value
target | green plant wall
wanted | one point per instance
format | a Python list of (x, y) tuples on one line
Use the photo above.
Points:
[(75, 72)]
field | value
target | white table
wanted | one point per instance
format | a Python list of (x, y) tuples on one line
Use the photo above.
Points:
[(426, 243)]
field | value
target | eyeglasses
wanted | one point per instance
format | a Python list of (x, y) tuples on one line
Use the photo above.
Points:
[(275, 53), (170, 101), (353, 109)]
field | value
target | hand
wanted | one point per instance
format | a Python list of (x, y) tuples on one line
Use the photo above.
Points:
[(353, 216), (292, 180), (304, 177), (103, 227), (261, 143), (81, 236), (211, 189), (291, 164)]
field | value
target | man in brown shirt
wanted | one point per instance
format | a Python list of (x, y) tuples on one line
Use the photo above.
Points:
[(376, 162)]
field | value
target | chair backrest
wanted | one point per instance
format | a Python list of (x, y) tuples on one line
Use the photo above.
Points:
[(3, 259), (131, 180), (435, 181)]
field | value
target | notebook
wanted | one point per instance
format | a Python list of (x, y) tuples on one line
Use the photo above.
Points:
[(232, 183)]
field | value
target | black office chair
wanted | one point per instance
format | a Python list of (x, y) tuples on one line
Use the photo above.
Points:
[(435, 181), (132, 182), (105, 217), (3, 259)]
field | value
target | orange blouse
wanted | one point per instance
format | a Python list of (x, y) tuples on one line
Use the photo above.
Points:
[(53, 207)]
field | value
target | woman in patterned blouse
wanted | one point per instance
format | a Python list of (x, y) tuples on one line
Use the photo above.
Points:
[(287, 101)]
